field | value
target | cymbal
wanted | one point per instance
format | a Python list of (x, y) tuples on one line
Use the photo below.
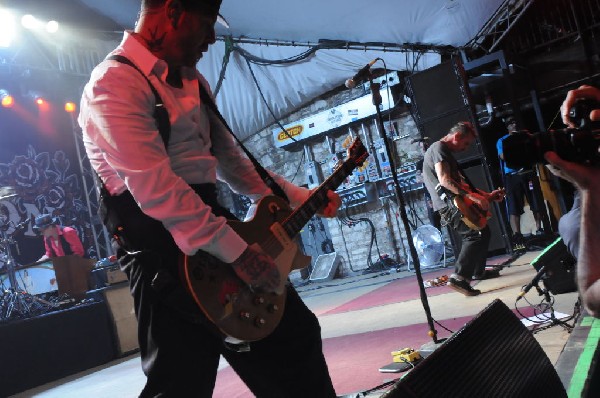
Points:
[(7, 192)]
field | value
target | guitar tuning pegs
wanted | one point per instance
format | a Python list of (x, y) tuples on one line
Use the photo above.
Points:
[(259, 322)]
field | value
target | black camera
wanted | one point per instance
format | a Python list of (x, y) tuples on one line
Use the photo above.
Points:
[(523, 149)]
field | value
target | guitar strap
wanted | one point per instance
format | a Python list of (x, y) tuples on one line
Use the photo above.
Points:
[(266, 177), (161, 116)]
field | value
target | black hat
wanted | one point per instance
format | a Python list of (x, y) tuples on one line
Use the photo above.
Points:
[(210, 7), (44, 220)]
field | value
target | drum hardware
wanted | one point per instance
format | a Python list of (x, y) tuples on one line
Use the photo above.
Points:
[(14, 302), (7, 193)]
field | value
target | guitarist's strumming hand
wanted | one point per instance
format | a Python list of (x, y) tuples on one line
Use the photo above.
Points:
[(258, 270), (480, 200), (497, 195)]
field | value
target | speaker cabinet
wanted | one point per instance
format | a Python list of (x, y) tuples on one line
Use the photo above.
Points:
[(120, 304), (439, 100), (73, 274)]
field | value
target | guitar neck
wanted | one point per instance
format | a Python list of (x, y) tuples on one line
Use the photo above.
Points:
[(318, 198)]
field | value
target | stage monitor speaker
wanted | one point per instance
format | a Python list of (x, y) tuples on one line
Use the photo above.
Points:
[(492, 356), (120, 304), (325, 267), (559, 268)]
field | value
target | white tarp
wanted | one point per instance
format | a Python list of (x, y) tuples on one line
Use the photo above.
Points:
[(431, 22)]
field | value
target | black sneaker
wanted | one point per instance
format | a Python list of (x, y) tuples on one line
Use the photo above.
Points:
[(518, 239), (462, 287), (487, 274)]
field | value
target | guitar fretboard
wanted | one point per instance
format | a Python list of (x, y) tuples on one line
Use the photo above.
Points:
[(318, 198)]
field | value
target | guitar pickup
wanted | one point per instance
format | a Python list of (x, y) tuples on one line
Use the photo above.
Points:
[(282, 236)]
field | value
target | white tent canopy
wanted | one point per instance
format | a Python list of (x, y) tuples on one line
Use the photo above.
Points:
[(376, 24)]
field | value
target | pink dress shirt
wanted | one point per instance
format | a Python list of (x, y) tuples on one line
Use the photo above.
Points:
[(125, 148), (54, 247)]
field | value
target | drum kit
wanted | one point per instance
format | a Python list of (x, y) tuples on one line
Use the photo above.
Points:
[(15, 301)]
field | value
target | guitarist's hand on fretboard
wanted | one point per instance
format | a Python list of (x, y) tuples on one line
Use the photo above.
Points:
[(258, 270), (333, 204)]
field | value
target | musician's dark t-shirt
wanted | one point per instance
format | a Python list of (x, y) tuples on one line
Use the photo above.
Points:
[(436, 153)]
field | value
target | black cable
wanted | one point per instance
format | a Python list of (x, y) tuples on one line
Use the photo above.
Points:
[(345, 244)]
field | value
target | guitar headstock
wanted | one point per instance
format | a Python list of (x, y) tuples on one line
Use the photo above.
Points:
[(357, 152)]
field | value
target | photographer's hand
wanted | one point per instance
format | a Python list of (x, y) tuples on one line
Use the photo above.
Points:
[(582, 176), (587, 179), (583, 92)]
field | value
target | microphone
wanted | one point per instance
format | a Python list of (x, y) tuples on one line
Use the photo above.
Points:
[(361, 75), (22, 224), (533, 282)]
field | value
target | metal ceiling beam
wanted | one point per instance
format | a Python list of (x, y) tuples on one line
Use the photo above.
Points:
[(499, 24)]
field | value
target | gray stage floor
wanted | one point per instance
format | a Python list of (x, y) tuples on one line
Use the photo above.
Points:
[(124, 378)]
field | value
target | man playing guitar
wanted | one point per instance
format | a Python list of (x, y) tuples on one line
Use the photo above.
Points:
[(451, 193)]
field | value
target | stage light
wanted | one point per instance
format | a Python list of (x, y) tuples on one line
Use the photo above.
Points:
[(52, 27), (30, 22), (6, 99), (70, 107), (40, 101), (7, 28)]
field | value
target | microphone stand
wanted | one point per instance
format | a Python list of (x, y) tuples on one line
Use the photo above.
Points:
[(376, 96)]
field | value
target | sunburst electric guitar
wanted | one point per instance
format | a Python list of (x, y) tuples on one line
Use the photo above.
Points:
[(236, 310), (471, 214)]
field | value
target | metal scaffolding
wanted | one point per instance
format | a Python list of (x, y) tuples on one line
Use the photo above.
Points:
[(500, 23)]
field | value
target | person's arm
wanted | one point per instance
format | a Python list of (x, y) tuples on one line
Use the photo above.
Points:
[(587, 180), (47, 254), (460, 188), (70, 235), (240, 174)]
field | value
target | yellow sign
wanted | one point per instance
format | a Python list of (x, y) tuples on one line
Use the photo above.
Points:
[(293, 131)]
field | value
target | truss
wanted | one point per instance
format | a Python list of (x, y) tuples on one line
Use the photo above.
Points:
[(499, 24)]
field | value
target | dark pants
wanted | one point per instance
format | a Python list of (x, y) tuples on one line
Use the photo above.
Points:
[(517, 189), (472, 255), (180, 348)]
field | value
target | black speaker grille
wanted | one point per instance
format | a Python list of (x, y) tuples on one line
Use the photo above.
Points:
[(493, 355)]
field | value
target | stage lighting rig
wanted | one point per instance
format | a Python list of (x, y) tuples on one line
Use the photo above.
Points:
[(7, 28), (6, 99)]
